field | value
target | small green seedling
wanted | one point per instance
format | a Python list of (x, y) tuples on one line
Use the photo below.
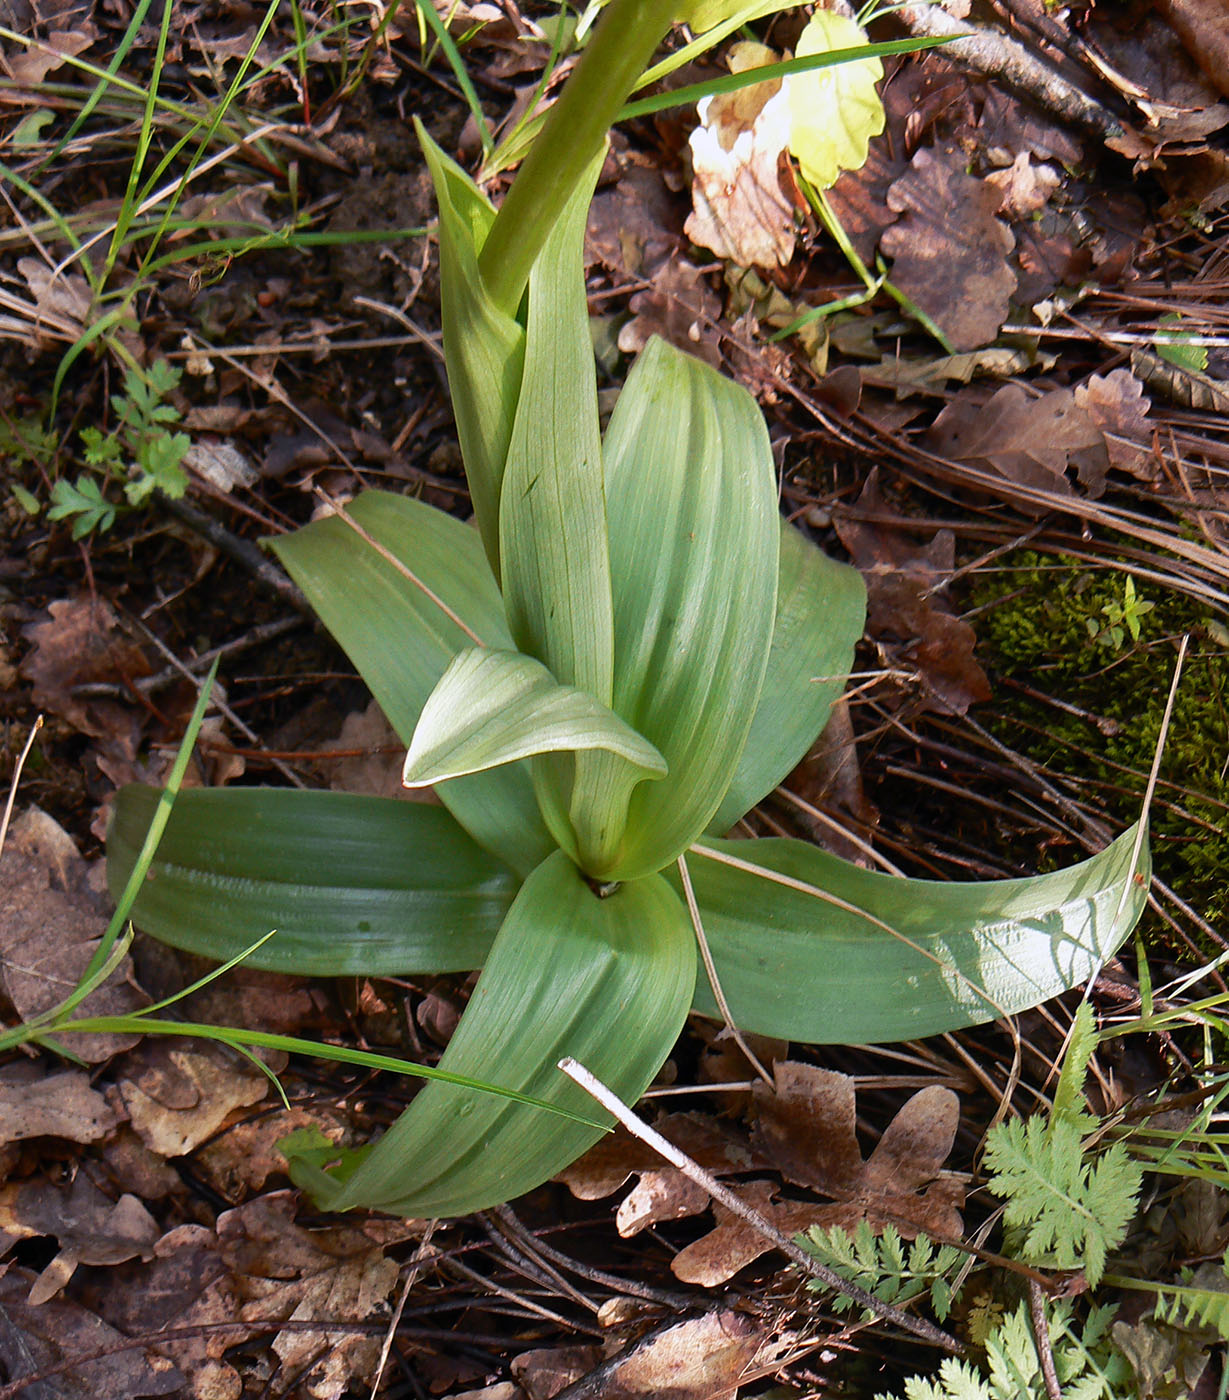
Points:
[(627, 654), (142, 450), (1121, 619)]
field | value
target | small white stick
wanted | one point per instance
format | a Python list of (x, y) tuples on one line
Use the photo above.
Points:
[(736, 1206), (21, 763)]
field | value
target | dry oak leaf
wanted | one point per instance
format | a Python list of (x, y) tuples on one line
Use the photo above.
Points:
[(34, 1104), (681, 308), (49, 930), (906, 612), (808, 1128), (60, 1331), (741, 187), (288, 1273), (1030, 441), (949, 249), (702, 1358), (177, 1095), (1116, 404), (243, 1156), (662, 1192), (1023, 187), (89, 1226)]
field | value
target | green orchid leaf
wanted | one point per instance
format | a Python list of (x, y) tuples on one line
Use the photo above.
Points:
[(401, 639), (694, 537), (484, 347), (834, 111), (494, 707), (358, 886), (809, 947), (821, 610), (552, 516), (607, 981)]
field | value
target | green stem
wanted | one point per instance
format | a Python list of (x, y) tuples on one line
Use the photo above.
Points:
[(575, 128)]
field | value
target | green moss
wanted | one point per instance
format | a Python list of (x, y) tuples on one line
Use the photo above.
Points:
[(1060, 630)]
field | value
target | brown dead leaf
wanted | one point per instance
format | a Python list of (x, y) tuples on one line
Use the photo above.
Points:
[(634, 228), (1186, 387), (89, 1226), (906, 611), (186, 1284), (1023, 187), (662, 1193), (288, 1273), (245, 1155), (681, 308), (1028, 440), (36, 1104), (743, 206), (1116, 404), (808, 1129), (859, 198), (179, 1094), (1203, 27), (545, 1371), (49, 930), (703, 1358), (949, 249), (82, 642), (30, 67), (34, 1338)]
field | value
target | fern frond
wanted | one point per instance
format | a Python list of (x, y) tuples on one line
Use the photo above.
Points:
[(1072, 1207), (1069, 1104), (881, 1265), (1200, 1300)]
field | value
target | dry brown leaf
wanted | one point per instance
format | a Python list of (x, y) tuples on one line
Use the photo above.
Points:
[(703, 1358), (743, 208), (545, 1371), (1116, 404), (807, 1128), (81, 642), (1186, 387), (187, 1284), (177, 1095), (288, 1273), (31, 66), (36, 1104), (245, 1155), (681, 308), (906, 612), (1023, 187), (89, 1226), (950, 250), (634, 229), (49, 931), (1203, 27), (62, 1331), (1031, 441), (859, 198)]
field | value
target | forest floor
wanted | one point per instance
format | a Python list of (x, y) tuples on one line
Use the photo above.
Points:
[(1019, 439)]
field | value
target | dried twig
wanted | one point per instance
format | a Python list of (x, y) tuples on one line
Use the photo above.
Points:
[(736, 1206)]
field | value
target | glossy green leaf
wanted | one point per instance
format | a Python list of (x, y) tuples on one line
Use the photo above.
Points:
[(484, 347), (821, 610), (552, 516), (401, 640), (694, 537), (494, 707), (921, 957), (353, 885), (607, 981)]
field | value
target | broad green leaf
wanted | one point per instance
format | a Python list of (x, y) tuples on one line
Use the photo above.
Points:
[(921, 957), (835, 111), (821, 609), (607, 981), (552, 516), (494, 707), (484, 347), (401, 640), (353, 885), (694, 539)]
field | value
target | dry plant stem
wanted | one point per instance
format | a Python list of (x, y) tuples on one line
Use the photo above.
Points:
[(707, 1182), (710, 971), (13, 786), (1041, 1336), (420, 1255), (992, 54), (242, 551), (389, 558)]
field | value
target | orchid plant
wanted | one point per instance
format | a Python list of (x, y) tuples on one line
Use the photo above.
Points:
[(628, 652)]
